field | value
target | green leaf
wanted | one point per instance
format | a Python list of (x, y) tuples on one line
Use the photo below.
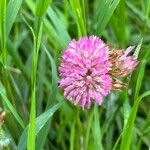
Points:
[(31, 131), (139, 13), (10, 107), (3, 25), (54, 76), (72, 135), (56, 29), (40, 122), (97, 130), (103, 14), (12, 11), (41, 7), (140, 76), (115, 21), (138, 48), (77, 10), (60, 27), (128, 128), (43, 134), (17, 59), (89, 127)]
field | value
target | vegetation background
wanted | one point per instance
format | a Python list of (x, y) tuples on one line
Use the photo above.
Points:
[(33, 34)]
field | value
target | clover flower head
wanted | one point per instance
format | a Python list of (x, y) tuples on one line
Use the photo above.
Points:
[(122, 65), (84, 71)]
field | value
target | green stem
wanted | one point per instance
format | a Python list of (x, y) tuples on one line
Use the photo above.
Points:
[(32, 120), (144, 30), (97, 129), (89, 127), (3, 8)]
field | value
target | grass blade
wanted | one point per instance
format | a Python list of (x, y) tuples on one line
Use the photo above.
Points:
[(89, 127), (32, 126), (60, 27), (41, 7), (54, 76), (12, 11), (97, 130), (12, 52), (103, 14), (72, 135), (11, 108), (40, 123), (56, 29), (3, 28), (128, 128), (138, 48), (140, 77), (43, 134), (120, 12), (3, 37), (77, 10)]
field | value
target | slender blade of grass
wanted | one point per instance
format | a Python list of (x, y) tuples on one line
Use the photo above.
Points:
[(89, 127), (115, 22), (138, 13), (56, 29), (77, 10), (128, 128), (138, 48), (40, 123), (43, 134), (140, 77), (3, 56), (17, 59), (97, 130), (60, 28), (32, 126), (12, 11), (3, 27), (10, 107), (103, 14), (41, 7), (72, 135)]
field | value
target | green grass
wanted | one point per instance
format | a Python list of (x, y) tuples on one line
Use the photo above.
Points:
[(32, 37)]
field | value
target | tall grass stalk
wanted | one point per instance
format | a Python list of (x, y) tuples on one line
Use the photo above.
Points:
[(32, 121), (3, 14), (128, 130), (3, 30), (79, 15), (41, 8), (97, 129)]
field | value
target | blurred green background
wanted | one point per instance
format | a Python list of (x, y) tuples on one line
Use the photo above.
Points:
[(33, 35)]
